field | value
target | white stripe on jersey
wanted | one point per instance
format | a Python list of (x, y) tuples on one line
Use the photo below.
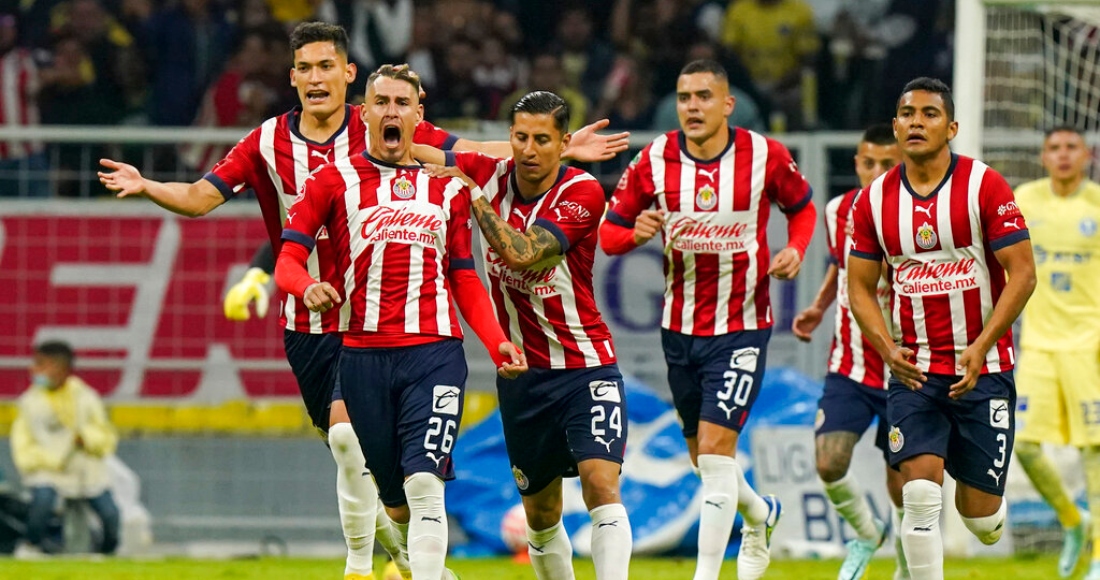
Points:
[(357, 243), (267, 151), (985, 286), (946, 234), (687, 184), (416, 264), (759, 167), (300, 150), (725, 259), (442, 298), (573, 319), (909, 248), (373, 292)]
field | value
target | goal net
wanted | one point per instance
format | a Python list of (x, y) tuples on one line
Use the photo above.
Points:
[(1042, 70)]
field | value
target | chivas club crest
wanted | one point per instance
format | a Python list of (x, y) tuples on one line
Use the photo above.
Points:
[(403, 188), (926, 236), (706, 198)]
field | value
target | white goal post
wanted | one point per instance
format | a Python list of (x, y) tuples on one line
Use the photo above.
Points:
[(1022, 66)]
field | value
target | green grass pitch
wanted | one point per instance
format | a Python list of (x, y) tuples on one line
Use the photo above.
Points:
[(270, 568)]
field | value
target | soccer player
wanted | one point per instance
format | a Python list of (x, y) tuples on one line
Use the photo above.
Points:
[(713, 186), (949, 231), (566, 417), (402, 241), (274, 160), (855, 384), (1058, 397)]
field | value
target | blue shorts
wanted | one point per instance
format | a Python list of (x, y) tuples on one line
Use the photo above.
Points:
[(850, 406), (715, 378), (974, 436), (405, 405), (314, 358), (554, 419)]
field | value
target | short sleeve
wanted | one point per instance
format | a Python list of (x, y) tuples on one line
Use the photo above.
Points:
[(311, 208), (238, 170), (784, 184), (831, 220), (1002, 221), (864, 237), (575, 214), (635, 191), (428, 134), (483, 169), (460, 227)]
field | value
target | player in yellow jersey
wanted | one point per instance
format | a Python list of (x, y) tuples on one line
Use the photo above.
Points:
[(1058, 376)]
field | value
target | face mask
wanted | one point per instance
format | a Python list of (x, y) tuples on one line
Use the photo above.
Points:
[(41, 380)]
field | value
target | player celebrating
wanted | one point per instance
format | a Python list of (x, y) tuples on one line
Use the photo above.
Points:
[(274, 160), (402, 241), (854, 386), (713, 186), (1059, 369), (949, 231), (567, 415)]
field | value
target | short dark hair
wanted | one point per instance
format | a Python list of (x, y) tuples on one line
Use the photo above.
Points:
[(931, 85), (879, 134), (544, 103), (56, 349), (1063, 129), (400, 72), (705, 65), (310, 32)]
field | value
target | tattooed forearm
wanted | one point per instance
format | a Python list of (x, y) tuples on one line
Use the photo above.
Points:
[(518, 250)]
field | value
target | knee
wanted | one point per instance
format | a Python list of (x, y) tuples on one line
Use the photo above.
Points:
[(1028, 451), (344, 443), (601, 487), (422, 488), (831, 468), (923, 500), (987, 529)]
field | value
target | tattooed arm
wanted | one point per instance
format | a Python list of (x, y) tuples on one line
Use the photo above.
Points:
[(519, 250)]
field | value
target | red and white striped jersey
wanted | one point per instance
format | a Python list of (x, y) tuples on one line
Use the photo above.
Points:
[(716, 253), (549, 308), (274, 160), (939, 250), (398, 232), (850, 355), (18, 100)]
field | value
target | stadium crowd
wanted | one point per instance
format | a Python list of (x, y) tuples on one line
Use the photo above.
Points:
[(803, 64)]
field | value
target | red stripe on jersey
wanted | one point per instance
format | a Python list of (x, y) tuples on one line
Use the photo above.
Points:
[(890, 207), (960, 204)]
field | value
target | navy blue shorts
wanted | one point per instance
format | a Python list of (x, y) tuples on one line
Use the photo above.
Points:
[(314, 358), (850, 406), (554, 419), (715, 378), (405, 404), (974, 435)]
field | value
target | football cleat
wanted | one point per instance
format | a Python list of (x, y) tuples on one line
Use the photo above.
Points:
[(756, 543)]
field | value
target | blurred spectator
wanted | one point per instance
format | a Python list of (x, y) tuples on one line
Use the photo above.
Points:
[(18, 107), (107, 45), (240, 97), (498, 73), (421, 56), (379, 31), (188, 45), (917, 34), (851, 58), (777, 41), (586, 60), (291, 12), (547, 75), (60, 440), (255, 15), (458, 95), (627, 100)]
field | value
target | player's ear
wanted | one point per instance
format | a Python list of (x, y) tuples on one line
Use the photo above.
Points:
[(419, 113), (728, 106), (952, 130), (293, 81), (349, 73), (565, 142)]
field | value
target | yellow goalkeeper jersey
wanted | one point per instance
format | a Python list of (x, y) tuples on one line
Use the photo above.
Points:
[(1064, 312)]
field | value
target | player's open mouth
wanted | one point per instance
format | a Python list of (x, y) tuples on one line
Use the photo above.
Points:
[(315, 97), (915, 139), (694, 123), (391, 135)]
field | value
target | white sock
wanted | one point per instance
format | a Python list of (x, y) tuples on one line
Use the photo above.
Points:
[(392, 539), (849, 502), (720, 490), (427, 525), (551, 553), (611, 542), (753, 508), (920, 530), (899, 549), (988, 529), (356, 497)]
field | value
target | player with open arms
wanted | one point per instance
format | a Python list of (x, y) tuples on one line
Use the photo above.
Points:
[(566, 417), (401, 240), (274, 160), (949, 231), (855, 384), (1058, 382), (713, 186)]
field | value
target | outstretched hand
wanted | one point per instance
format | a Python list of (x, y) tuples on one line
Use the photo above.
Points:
[(125, 179), (517, 364), (586, 145)]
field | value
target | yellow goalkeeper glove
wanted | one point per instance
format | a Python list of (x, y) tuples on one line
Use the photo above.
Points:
[(253, 286)]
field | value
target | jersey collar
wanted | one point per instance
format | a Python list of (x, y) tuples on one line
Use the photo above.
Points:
[(683, 146), (946, 176), (514, 185), (294, 118)]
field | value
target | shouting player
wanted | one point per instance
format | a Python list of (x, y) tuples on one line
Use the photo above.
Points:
[(713, 186), (402, 242), (949, 230)]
